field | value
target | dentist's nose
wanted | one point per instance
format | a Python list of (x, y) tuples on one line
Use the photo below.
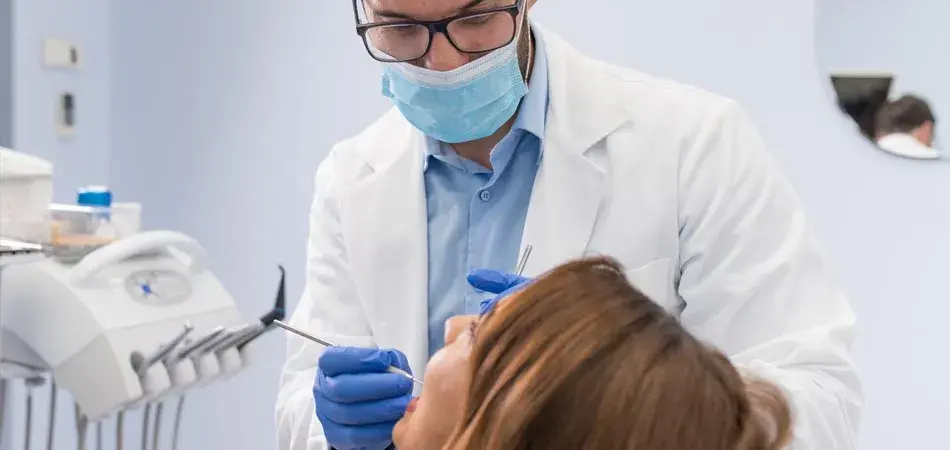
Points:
[(443, 56)]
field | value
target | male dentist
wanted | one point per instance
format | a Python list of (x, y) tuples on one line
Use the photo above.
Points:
[(503, 136)]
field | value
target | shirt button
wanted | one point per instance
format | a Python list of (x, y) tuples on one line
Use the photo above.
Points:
[(484, 195)]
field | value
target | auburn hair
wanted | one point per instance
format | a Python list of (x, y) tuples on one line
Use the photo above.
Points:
[(580, 359)]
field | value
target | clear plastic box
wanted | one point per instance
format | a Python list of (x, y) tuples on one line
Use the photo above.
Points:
[(75, 231)]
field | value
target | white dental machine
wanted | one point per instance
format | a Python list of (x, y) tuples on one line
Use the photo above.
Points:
[(119, 320)]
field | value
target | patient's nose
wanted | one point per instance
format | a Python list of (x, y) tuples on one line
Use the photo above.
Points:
[(456, 325)]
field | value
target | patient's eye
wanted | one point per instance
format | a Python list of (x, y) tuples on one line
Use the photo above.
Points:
[(472, 330)]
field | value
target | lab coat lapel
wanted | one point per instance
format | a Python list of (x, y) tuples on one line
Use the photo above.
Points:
[(573, 179), (386, 236)]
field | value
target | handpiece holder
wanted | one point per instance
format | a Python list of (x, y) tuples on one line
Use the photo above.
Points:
[(137, 244)]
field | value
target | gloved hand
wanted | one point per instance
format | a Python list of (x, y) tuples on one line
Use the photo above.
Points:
[(356, 400), (495, 282)]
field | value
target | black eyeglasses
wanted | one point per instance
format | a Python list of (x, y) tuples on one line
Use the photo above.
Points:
[(408, 40)]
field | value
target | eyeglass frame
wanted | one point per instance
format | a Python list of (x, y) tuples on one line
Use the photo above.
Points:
[(434, 27)]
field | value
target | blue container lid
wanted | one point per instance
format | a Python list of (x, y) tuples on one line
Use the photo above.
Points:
[(94, 196)]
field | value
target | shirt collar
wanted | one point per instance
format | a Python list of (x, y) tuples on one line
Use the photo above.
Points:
[(532, 113)]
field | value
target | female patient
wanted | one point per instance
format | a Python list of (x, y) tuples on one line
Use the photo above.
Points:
[(580, 359)]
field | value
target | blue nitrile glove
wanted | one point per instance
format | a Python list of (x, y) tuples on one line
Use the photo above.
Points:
[(495, 282), (356, 400)]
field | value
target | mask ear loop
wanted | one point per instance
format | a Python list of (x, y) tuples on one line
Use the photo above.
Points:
[(529, 67)]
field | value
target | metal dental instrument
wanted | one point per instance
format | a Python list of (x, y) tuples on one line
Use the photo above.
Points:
[(523, 262), (163, 351), (305, 335), (99, 435)]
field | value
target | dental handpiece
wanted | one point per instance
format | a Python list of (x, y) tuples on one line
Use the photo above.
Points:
[(308, 336), (162, 353), (216, 344), (236, 337), (193, 347)]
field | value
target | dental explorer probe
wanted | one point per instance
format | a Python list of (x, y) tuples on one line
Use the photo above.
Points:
[(523, 262), (305, 335)]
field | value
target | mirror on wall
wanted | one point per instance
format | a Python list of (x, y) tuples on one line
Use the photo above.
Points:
[(884, 60)]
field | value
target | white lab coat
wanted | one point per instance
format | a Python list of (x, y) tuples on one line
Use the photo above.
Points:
[(672, 181), (906, 145)]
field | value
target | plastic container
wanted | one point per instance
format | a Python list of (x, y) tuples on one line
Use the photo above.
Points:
[(78, 230), (26, 187)]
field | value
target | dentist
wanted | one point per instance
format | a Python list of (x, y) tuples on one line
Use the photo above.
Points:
[(502, 136)]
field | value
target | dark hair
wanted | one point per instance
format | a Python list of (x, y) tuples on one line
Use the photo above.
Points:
[(903, 115), (582, 359)]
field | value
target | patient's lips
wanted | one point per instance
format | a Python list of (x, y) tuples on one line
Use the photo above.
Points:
[(412, 404)]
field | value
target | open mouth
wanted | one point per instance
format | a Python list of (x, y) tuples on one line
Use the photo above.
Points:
[(412, 404)]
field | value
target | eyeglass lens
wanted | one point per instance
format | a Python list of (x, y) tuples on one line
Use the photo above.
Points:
[(470, 34)]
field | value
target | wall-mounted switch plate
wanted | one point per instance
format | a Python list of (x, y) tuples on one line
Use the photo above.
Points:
[(61, 54), (66, 114)]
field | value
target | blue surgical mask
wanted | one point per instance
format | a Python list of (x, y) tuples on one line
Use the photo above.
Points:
[(461, 105)]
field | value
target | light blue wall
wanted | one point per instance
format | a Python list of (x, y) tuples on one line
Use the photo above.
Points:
[(216, 118), (84, 158), (901, 273), (6, 73), (907, 37)]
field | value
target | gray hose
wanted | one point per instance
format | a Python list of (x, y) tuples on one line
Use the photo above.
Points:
[(52, 417), (99, 435), (82, 426), (28, 434), (3, 405), (158, 425), (119, 433), (177, 428), (145, 423)]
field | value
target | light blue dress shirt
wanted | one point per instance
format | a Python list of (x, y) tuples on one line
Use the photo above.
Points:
[(475, 215)]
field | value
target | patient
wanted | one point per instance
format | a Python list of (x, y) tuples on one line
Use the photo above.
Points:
[(580, 359)]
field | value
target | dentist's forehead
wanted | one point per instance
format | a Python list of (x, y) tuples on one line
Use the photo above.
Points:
[(427, 9)]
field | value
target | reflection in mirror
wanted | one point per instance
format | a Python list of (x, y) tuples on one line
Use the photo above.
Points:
[(879, 58)]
